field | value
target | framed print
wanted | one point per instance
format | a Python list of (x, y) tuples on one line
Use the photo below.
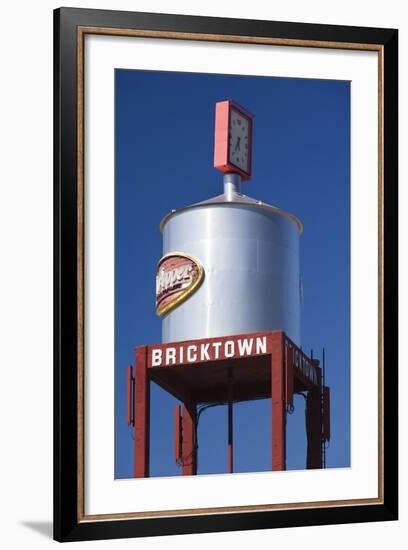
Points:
[(225, 274)]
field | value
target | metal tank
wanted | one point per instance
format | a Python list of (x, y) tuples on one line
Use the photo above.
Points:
[(250, 254)]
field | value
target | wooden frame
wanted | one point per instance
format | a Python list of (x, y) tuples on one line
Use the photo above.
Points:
[(70, 28)]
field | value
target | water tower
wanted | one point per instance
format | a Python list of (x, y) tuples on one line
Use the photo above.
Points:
[(228, 289)]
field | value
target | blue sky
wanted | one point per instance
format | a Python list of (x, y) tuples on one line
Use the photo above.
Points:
[(164, 129)]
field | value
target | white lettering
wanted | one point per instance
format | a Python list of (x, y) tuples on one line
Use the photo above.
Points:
[(156, 357), (216, 346), (245, 346), (306, 367), (178, 354), (166, 279), (229, 349), (204, 352), (261, 345), (170, 356), (191, 357)]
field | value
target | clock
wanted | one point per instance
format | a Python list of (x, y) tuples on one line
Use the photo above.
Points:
[(233, 139)]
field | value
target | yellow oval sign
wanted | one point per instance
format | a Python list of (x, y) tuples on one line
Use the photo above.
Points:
[(178, 275)]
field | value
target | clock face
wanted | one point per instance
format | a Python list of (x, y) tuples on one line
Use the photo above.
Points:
[(239, 141)]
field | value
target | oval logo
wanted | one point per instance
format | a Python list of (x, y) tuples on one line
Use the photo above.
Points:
[(178, 275)]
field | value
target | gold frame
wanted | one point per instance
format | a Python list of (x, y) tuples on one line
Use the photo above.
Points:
[(81, 33)]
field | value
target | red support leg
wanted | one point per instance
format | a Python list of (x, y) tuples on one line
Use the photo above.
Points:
[(314, 429), (230, 439), (189, 440), (142, 414), (278, 404), (177, 435), (230, 424)]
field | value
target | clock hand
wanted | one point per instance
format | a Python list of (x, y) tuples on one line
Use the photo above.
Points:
[(237, 145)]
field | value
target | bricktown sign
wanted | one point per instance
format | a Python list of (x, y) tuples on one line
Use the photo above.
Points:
[(222, 348)]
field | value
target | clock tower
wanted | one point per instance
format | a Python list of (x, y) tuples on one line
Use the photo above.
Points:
[(233, 139)]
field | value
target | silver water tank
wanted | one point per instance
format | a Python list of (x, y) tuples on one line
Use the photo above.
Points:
[(250, 254)]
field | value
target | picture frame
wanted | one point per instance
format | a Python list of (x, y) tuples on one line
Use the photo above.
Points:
[(71, 27)]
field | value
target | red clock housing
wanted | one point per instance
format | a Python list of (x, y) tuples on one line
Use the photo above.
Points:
[(222, 159)]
